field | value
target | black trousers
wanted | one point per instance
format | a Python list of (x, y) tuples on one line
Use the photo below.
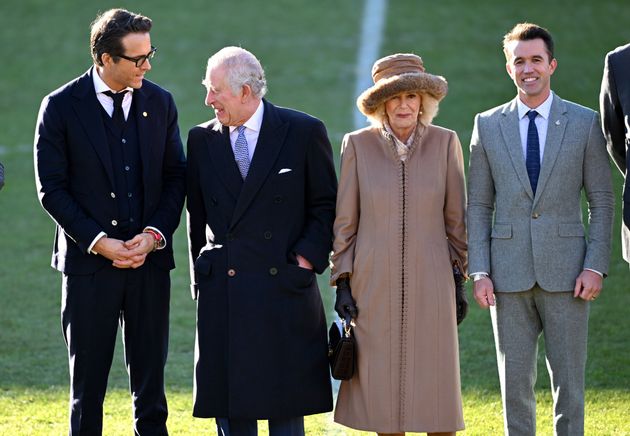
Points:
[(92, 308)]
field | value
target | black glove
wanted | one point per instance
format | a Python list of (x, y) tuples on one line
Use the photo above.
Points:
[(345, 305), (461, 302)]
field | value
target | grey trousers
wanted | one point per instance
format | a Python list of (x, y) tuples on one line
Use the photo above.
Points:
[(518, 319)]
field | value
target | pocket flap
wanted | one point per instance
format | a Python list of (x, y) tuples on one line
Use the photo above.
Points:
[(203, 264), (502, 231), (571, 230)]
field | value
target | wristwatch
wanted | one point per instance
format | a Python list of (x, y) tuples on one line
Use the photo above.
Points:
[(478, 276)]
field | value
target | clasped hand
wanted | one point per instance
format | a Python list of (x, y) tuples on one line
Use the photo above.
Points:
[(126, 254)]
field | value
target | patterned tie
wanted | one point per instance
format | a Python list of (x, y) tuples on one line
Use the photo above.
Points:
[(532, 159), (118, 117), (241, 152)]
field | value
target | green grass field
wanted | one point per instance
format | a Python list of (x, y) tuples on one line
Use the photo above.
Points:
[(309, 52)]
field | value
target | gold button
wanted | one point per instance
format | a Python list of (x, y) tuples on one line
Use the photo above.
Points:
[(535, 215), (231, 272)]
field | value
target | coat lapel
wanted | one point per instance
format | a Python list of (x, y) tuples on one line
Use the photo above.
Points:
[(146, 131), (222, 156), (88, 110), (270, 141), (555, 133), (512, 140)]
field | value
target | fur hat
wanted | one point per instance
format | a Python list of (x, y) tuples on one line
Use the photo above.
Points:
[(396, 74)]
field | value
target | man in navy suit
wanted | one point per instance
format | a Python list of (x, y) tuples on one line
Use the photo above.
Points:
[(261, 205), (614, 103), (110, 171)]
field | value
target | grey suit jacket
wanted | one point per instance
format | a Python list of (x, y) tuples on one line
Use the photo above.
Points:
[(522, 239), (614, 102)]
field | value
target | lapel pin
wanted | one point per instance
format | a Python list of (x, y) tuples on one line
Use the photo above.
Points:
[(557, 122), (144, 114)]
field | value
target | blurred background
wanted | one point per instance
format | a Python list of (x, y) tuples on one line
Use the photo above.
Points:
[(310, 53)]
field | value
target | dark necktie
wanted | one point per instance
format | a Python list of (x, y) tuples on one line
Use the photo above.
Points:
[(118, 117), (532, 158)]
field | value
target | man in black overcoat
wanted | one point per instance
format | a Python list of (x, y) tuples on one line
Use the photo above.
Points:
[(614, 101), (261, 189)]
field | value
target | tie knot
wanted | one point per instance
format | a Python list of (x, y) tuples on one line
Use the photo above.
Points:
[(240, 129), (532, 115), (116, 96)]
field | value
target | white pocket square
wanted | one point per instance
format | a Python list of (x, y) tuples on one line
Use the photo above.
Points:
[(285, 170)]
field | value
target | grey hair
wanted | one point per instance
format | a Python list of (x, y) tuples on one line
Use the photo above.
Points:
[(242, 68), (428, 111)]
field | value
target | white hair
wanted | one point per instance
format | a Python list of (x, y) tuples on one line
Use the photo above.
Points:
[(242, 68)]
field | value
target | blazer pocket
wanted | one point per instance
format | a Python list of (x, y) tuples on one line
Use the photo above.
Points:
[(203, 263), (296, 279), (502, 231), (571, 230)]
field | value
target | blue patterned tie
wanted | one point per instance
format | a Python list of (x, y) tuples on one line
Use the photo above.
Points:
[(532, 159), (241, 152)]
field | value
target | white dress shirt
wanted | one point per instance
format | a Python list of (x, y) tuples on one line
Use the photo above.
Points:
[(252, 130), (106, 101)]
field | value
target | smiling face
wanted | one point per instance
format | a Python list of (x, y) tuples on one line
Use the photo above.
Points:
[(402, 114), (121, 73), (230, 109), (530, 68)]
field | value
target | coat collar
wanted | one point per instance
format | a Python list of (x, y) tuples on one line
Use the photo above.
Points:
[(88, 111), (272, 136), (270, 141), (555, 134)]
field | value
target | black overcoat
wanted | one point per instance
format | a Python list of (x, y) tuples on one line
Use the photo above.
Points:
[(261, 331)]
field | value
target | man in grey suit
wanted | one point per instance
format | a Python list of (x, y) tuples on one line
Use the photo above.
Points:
[(614, 103), (530, 258)]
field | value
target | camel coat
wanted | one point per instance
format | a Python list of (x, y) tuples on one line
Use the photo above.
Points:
[(399, 227)]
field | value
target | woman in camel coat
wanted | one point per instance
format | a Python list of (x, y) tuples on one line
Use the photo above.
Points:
[(399, 234)]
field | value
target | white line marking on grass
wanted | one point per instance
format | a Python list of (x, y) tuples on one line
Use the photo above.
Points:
[(372, 25)]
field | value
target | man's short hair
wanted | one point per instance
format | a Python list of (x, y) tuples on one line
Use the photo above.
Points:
[(241, 68), (527, 32), (109, 28)]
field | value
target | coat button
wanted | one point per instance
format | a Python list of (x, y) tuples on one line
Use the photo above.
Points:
[(114, 223), (535, 215), (273, 271), (277, 199), (213, 201), (231, 272), (268, 234), (112, 194)]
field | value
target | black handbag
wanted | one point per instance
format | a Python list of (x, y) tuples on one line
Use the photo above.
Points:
[(341, 350)]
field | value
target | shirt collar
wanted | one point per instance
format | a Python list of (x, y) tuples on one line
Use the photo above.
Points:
[(543, 110), (255, 121), (100, 86)]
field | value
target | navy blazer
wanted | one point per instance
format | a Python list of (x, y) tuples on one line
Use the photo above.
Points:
[(74, 173)]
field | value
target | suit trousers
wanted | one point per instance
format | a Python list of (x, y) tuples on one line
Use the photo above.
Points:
[(518, 319), (249, 427), (93, 305)]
